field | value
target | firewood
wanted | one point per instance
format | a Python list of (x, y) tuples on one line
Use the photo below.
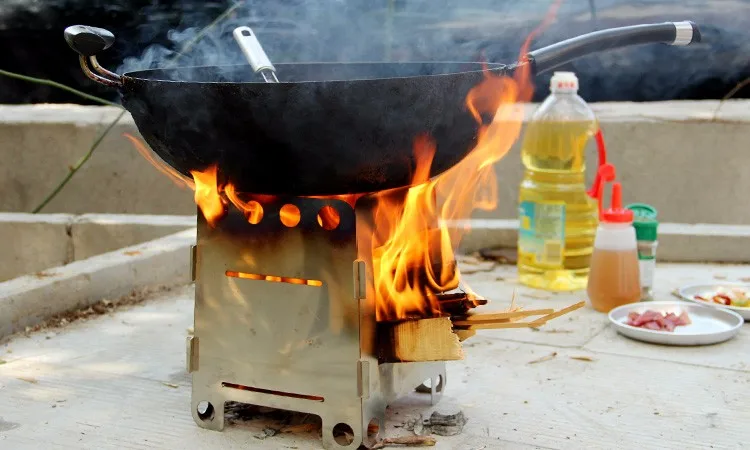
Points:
[(419, 340), (500, 325), (500, 317), (544, 319)]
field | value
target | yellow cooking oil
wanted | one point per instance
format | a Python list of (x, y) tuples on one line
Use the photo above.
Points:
[(558, 219)]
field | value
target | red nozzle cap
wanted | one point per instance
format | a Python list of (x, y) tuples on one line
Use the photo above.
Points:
[(616, 213)]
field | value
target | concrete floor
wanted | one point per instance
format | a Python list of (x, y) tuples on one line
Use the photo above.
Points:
[(119, 382)]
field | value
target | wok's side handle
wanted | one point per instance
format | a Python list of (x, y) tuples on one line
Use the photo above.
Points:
[(87, 42), (672, 33)]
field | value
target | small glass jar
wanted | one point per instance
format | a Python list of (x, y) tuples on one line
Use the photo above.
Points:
[(647, 266)]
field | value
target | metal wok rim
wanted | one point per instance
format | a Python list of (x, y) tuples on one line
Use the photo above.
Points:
[(138, 75)]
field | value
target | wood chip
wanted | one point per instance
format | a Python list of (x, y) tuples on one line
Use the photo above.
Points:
[(132, 252), (745, 279), (583, 358), (28, 380), (300, 428), (171, 385), (544, 358), (720, 276), (407, 441)]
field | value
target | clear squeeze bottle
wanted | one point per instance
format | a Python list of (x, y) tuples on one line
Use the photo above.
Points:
[(558, 217), (614, 279)]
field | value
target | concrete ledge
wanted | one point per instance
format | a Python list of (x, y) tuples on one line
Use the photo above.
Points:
[(687, 158), (93, 234), (28, 300), (34, 242), (31, 242), (677, 242)]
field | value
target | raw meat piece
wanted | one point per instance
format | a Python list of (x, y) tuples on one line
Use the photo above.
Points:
[(653, 320)]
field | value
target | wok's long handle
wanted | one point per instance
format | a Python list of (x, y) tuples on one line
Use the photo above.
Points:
[(672, 33)]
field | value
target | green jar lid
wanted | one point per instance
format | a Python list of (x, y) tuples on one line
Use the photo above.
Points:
[(642, 211), (644, 221), (645, 229)]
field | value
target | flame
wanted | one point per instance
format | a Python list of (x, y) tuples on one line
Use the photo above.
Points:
[(204, 183), (207, 194), (412, 246), (176, 177)]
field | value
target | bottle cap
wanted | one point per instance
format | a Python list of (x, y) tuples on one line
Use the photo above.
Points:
[(564, 82), (616, 213), (643, 211), (645, 223), (646, 230)]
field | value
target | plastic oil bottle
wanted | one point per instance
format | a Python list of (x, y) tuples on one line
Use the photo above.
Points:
[(558, 217)]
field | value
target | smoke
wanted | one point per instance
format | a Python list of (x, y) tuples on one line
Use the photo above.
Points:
[(472, 30)]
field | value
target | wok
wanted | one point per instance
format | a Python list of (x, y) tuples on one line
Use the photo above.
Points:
[(327, 128)]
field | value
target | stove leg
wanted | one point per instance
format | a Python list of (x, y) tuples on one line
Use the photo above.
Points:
[(209, 413)]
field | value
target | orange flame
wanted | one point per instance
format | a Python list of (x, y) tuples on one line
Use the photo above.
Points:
[(176, 177), (207, 194), (412, 246), (204, 183)]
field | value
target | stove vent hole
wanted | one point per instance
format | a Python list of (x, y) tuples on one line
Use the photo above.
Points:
[(328, 218), (343, 434), (254, 212), (205, 411), (289, 215)]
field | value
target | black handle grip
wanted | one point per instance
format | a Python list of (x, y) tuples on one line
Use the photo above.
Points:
[(672, 33), (88, 41)]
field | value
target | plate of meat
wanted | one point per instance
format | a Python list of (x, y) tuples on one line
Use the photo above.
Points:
[(733, 296), (676, 323)]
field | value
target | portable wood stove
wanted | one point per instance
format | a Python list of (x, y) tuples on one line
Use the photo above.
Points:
[(285, 318)]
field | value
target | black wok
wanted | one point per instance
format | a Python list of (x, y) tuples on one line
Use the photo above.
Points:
[(327, 128)]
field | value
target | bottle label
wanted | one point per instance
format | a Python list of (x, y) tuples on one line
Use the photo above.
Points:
[(542, 231)]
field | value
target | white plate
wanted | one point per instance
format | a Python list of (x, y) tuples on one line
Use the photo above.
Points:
[(709, 325), (688, 292)]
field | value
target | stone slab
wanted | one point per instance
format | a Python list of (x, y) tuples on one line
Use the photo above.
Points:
[(94, 234), (29, 243), (27, 300), (677, 242), (32, 243), (666, 153)]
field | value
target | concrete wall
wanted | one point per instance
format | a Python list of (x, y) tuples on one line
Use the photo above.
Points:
[(690, 163), (35, 242)]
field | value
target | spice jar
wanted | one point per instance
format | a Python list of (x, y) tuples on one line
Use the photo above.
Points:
[(646, 227)]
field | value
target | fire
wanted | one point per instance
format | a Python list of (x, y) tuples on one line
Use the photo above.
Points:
[(412, 246), (207, 194)]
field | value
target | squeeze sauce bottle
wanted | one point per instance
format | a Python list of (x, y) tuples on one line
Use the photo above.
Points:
[(558, 217), (614, 278)]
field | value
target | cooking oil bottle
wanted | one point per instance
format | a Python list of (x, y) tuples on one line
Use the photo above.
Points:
[(558, 217)]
